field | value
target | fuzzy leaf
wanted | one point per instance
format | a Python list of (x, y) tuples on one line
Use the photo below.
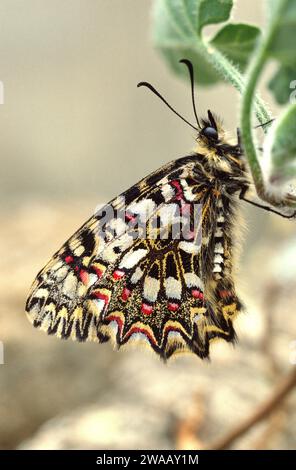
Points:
[(177, 29), (177, 33), (237, 42)]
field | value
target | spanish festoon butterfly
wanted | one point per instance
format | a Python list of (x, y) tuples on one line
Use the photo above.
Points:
[(129, 278)]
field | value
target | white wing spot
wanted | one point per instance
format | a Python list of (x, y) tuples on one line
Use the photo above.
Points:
[(131, 259), (173, 288)]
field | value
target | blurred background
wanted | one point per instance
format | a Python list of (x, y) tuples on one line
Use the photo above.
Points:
[(75, 131)]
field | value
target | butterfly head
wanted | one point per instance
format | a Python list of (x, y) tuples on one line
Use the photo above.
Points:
[(212, 141), (210, 130)]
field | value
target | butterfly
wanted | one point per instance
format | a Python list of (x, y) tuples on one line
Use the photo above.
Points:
[(130, 274)]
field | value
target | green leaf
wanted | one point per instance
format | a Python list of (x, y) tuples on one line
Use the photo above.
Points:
[(211, 11), (237, 42), (188, 17), (177, 32), (283, 85), (281, 147)]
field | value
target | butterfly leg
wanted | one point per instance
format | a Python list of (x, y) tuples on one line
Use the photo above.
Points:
[(267, 208)]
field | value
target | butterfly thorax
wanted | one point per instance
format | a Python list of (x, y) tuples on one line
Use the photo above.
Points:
[(222, 163)]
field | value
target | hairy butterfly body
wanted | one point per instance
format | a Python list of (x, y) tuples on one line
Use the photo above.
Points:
[(130, 279)]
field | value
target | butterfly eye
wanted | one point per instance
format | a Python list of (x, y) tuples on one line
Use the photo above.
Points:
[(210, 133)]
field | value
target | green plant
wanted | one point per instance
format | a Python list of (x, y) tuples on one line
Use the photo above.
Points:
[(238, 53)]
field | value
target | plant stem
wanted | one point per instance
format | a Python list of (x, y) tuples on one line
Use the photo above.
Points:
[(284, 388), (246, 122), (252, 78)]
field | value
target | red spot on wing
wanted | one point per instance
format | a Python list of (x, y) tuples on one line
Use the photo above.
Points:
[(69, 259), (129, 216), (118, 274), (146, 309), (197, 294), (83, 276), (173, 307), (179, 193), (98, 271), (225, 293), (125, 294)]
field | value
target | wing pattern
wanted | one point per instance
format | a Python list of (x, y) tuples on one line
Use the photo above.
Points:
[(160, 273)]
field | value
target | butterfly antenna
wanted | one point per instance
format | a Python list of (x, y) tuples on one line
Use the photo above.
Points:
[(191, 74), (151, 88)]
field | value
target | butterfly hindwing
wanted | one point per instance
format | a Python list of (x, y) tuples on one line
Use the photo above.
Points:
[(150, 274)]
